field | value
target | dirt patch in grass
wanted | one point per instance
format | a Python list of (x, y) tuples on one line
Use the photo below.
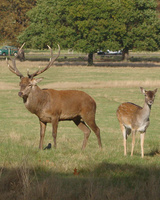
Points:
[(7, 86), (92, 84), (102, 84)]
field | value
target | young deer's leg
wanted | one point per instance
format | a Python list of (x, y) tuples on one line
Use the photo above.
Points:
[(124, 131), (133, 141), (54, 130), (83, 127), (142, 144), (42, 133)]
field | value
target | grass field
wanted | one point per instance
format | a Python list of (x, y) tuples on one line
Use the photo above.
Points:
[(27, 173)]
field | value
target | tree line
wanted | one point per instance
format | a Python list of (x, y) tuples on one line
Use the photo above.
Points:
[(83, 25)]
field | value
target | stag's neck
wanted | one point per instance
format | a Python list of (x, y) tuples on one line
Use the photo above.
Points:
[(34, 100)]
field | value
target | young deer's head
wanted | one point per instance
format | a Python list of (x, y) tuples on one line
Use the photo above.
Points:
[(149, 96), (27, 83)]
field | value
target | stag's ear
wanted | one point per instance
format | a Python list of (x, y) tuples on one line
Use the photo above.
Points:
[(35, 81)]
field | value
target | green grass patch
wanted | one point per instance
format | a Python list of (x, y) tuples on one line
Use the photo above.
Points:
[(27, 173)]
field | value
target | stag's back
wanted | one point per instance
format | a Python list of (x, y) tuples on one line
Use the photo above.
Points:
[(72, 101)]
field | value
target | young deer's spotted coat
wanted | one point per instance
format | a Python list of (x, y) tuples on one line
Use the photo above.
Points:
[(133, 118)]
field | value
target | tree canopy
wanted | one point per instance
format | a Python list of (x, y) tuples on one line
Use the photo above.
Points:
[(142, 25), (13, 18), (89, 25)]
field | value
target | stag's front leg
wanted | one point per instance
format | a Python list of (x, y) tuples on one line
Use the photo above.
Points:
[(42, 133), (54, 130)]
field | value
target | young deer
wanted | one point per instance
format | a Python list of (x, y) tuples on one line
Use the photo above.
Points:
[(133, 118), (52, 106)]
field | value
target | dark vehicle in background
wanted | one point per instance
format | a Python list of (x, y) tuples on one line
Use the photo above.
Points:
[(8, 50), (100, 52), (108, 52)]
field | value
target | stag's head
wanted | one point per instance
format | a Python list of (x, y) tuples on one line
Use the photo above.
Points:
[(27, 83)]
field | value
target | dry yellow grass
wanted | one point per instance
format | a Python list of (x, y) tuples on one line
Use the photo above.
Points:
[(103, 84), (7, 86), (91, 84)]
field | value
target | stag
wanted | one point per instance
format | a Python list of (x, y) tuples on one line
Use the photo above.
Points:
[(52, 106)]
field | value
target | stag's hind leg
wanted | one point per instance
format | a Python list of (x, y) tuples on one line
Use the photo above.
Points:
[(83, 127), (96, 130), (90, 121)]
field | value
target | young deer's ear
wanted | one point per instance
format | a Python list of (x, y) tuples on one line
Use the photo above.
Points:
[(155, 91), (35, 81), (143, 90)]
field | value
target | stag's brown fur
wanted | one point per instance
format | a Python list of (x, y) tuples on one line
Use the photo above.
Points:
[(52, 106)]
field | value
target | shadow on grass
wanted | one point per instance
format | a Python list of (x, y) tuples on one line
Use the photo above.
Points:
[(105, 181), (155, 152)]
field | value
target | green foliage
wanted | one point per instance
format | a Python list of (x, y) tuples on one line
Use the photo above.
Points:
[(13, 18), (88, 25), (142, 25), (84, 25)]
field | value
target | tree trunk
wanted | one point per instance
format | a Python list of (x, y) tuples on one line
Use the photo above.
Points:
[(90, 59), (125, 54)]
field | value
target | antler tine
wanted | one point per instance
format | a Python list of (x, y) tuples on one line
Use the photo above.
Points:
[(49, 64), (22, 45), (51, 59), (34, 74), (14, 68), (10, 67), (20, 49)]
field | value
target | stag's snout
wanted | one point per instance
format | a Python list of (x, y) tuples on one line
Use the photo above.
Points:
[(20, 94)]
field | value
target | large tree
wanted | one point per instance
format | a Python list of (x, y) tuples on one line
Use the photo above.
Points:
[(83, 25), (88, 25), (142, 25), (13, 18)]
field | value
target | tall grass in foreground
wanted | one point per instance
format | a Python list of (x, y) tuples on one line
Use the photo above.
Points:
[(27, 173)]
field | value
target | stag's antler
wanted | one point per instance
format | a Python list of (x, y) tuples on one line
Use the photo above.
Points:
[(49, 64), (14, 68), (21, 47)]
